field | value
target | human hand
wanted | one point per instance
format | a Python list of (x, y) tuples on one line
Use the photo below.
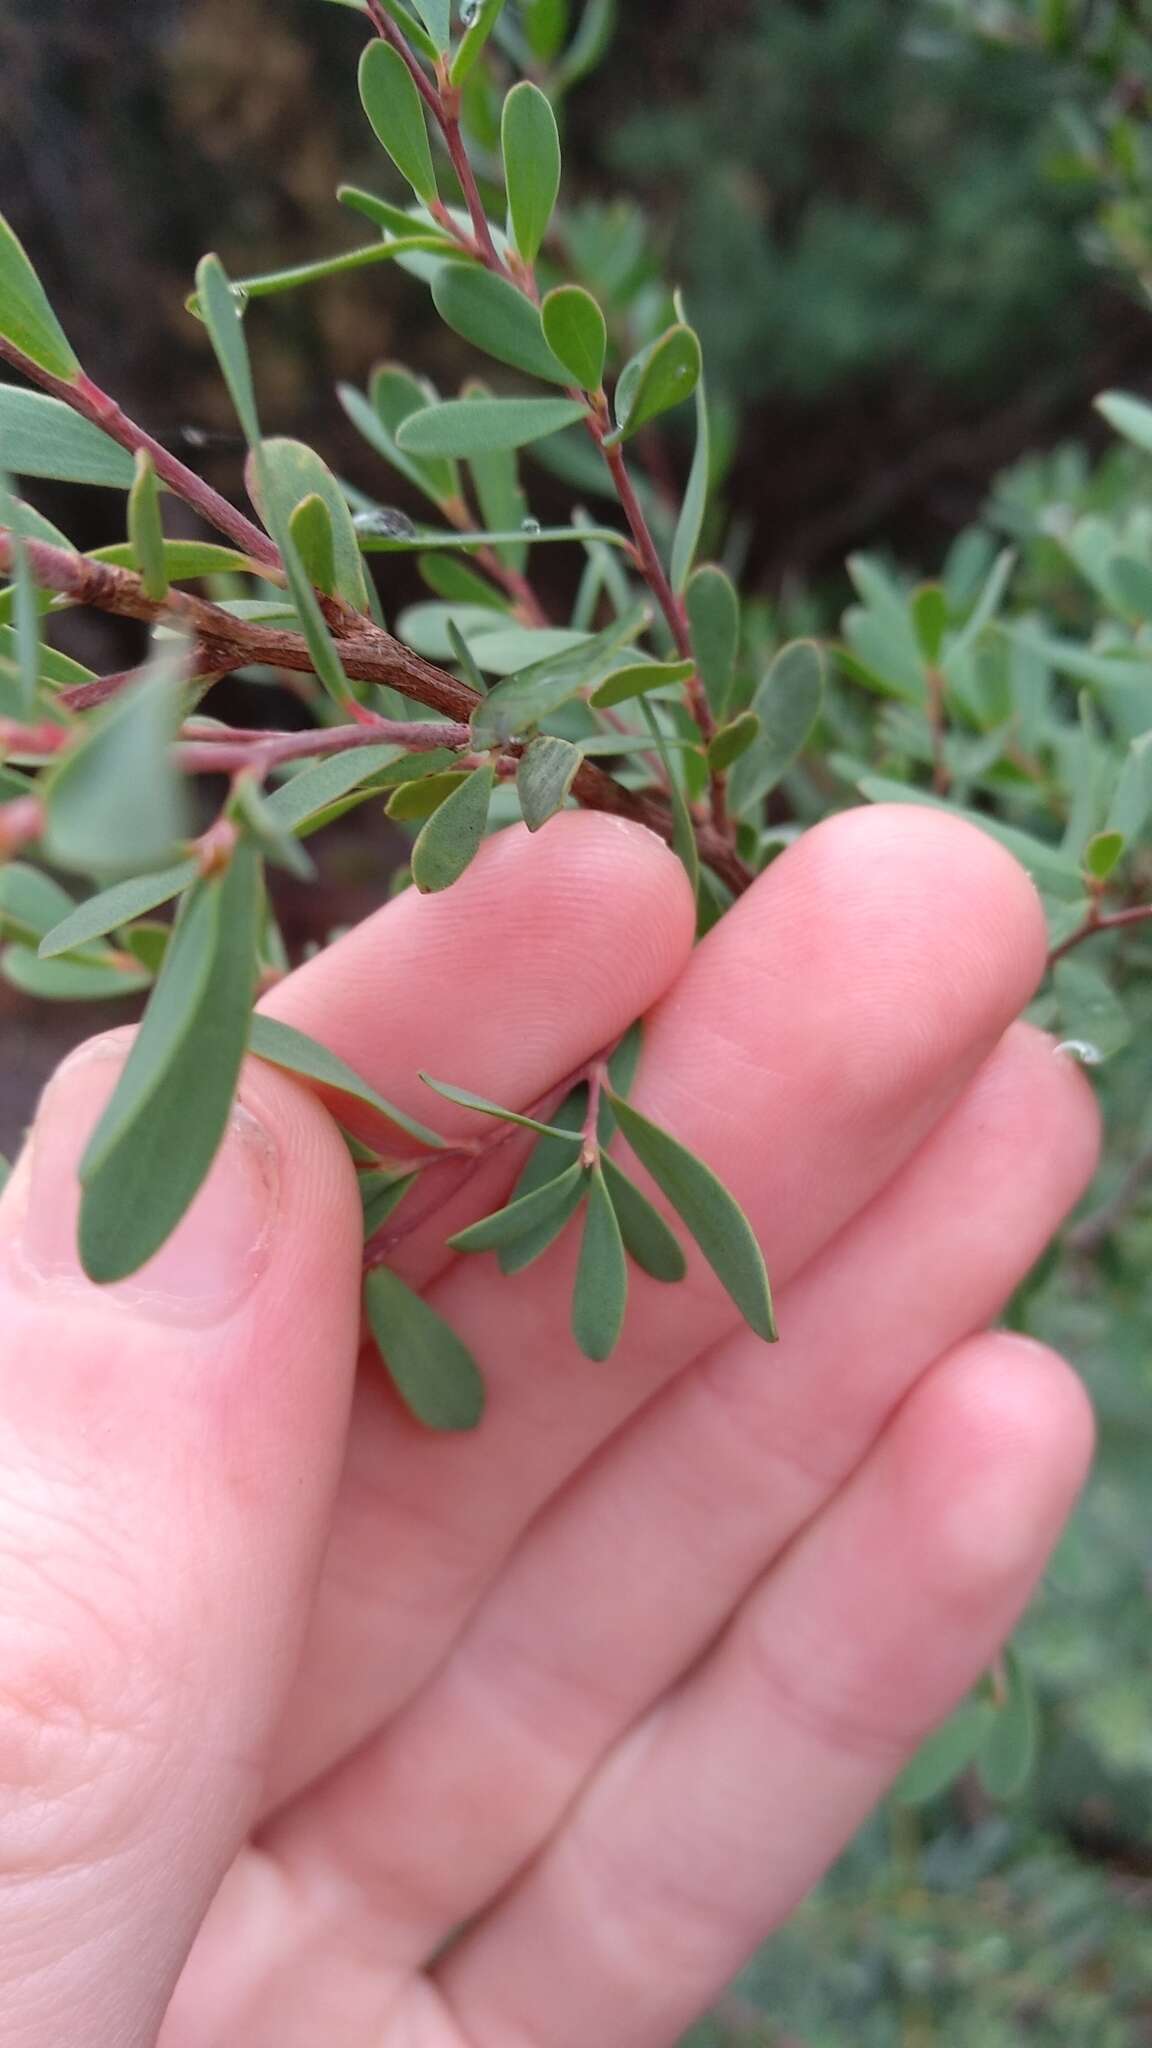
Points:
[(291, 1691)]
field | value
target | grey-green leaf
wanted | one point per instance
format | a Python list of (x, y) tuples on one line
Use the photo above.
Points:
[(154, 1146), (705, 1206), (647, 1237), (220, 311), (396, 396), (490, 313), (89, 979), (714, 617), (577, 334), (531, 144), (41, 436), (451, 839), (1009, 1750), (544, 778), (114, 907), (787, 704), (520, 1218), (470, 427), (435, 1374), (283, 1046), (600, 1296), (30, 902), (637, 679), (393, 106), (26, 317), (118, 800), (945, 1754), (660, 377), (145, 531), (465, 1099), (535, 692), (380, 1194), (437, 18), (286, 474), (691, 522)]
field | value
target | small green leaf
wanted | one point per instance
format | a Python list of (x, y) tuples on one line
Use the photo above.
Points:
[(155, 1143), (577, 334), (547, 1160), (268, 284), (395, 396), (624, 1066), (284, 474), (380, 1194), (691, 521), (465, 659), (496, 476), (220, 310), (145, 532), (41, 436), (393, 106), (413, 29), (1091, 1010), (183, 559), (392, 220), (480, 27), (1103, 855), (283, 1046), (704, 1205), (30, 902), (519, 1219), (437, 18), (661, 376), (117, 800), (417, 799), (531, 144), (637, 679), (945, 1755), (533, 693), (464, 1099), (26, 318), (435, 1375), (600, 1297), (930, 618), (589, 45), (714, 617), (490, 313), (471, 427), (647, 1237), (1128, 416), (311, 528), (452, 837), (71, 980), (683, 831), (731, 741), (548, 768), (113, 908), (787, 704), (1008, 1753), (313, 790), (248, 807)]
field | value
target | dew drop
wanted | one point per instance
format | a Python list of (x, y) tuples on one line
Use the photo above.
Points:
[(530, 526), (241, 294), (469, 12), (1082, 1050), (386, 521)]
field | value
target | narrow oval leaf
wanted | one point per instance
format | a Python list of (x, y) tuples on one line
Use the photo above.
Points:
[(154, 1146), (483, 20), (72, 980), (661, 377), (733, 740), (30, 902), (284, 475), (470, 427), (944, 1755), (637, 679), (535, 692), (788, 705), (393, 106), (113, 908), (118, 800), (1009, 1751), (452, 837), (26, 317), (145, 532), (311, 528), (41, 436), (532, 1244), (393, 220), (714, 617), (714, 1219), (531, 144), (520, 1218), (683, 830), (647, 1237), (397, 396), (415, 32), (496, 477), (490, 313), (183, 559), (305, 795), (434, 1374), (220, 310), (380, 1195), (465, 1099), (600, 1296), (437, 18), (548, 768), (577, 334), (547, 1160), (691, 522), (283, 1046), (414, 801)]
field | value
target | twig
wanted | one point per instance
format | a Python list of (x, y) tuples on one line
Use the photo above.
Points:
[(1100, 921)]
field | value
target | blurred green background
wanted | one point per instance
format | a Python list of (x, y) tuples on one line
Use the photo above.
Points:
[(914, 263)]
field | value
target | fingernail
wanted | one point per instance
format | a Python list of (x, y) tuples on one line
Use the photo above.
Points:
[(217, 1253)]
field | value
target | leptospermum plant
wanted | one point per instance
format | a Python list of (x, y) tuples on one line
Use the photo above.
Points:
[(658, 698)]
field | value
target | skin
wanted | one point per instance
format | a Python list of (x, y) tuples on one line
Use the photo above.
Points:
[(291, 1691)]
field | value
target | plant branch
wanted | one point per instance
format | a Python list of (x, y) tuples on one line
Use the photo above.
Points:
[(203, 754), (1100, 921)]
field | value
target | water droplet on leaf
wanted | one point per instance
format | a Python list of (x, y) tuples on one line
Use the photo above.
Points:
[(469, 11), (1083, 1050), (530, 526), (385, 520)]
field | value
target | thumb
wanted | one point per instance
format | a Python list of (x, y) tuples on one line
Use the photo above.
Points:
[(169, 1450)]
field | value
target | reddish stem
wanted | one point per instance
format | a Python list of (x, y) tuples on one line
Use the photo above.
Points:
[(1097, 921), (200, 755)]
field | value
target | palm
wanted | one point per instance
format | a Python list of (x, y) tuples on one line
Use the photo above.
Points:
[(613, 1679)]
